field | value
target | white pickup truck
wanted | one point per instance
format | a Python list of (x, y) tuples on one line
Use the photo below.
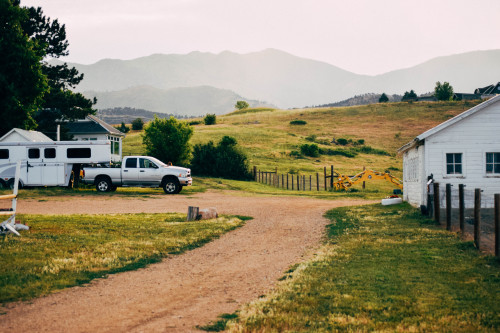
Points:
[(139, 171)]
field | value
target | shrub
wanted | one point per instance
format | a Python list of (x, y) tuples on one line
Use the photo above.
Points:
[(241, 105), (370, 150), (123, 128), (195, 122), (210, 119), (311, 138), (298, 122), (342, 141), (137, 124), (224, 160), (337, 152), (311, 150), (168, 140)]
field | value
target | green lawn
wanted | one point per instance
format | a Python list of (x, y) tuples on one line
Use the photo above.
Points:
[(383, 269), (62, 251)]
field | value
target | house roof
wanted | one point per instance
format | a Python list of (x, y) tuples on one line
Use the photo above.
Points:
[(449, 123), (32, 136), (92, 125), (489, 90)]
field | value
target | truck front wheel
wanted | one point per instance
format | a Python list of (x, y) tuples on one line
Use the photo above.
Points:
[(103, 185), (171, 186)]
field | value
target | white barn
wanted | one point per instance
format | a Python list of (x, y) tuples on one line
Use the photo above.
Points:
[(462, 150)]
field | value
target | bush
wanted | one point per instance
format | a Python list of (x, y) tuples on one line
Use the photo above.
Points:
[(337, 152), (222, 160), (311, 150), (370, 150), (168, 140), (311, 138), (123, 128), (210, 119), (241, 105), (137, 124), (195, 122), (342, 141), (298, 122)]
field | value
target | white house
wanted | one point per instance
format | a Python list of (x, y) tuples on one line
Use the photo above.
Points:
[(92, 128), (462, 150), (20, 135)]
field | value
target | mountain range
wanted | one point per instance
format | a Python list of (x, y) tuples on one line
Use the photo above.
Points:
[(199, 83)]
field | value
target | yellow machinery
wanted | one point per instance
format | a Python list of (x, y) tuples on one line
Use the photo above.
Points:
[(343, 182)]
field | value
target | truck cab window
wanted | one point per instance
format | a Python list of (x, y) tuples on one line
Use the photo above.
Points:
[(131, 163), (34, 153), (147, 164)]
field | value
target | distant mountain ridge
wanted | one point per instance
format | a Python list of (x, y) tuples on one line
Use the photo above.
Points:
[(280, 78)]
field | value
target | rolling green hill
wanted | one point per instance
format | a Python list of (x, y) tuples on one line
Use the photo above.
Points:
[(269, 139)]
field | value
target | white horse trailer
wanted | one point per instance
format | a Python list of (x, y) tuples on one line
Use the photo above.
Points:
[(53, 163)]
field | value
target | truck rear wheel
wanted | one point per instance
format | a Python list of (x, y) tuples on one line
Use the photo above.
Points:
[(103, 185), (171, 186)]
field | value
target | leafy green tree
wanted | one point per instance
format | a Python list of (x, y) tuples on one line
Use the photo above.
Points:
[(137, 124), (210, 119), (224, 160), (443, 92), (241, 105), (383, 98), (22, 82), (168, 140), (409, 96)]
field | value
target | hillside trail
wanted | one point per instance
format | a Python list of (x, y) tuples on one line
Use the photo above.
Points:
[(185, 290)]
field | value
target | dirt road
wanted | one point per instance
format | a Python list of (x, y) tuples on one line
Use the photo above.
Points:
[(185, 290)]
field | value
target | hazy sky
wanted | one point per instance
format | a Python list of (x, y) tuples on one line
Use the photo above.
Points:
[(363, 36)]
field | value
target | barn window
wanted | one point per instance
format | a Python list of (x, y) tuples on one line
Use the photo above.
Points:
[(34, 153), (4, 154), (492, 162), (454, 164), (49, 153)]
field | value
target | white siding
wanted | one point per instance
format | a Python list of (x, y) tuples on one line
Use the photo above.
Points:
[(473, 137), (414, 178)]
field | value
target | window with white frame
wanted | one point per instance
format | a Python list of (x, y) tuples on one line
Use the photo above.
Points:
[(454, 164), (493, 163)]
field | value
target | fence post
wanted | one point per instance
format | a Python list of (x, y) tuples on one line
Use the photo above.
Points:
[(477, 218), (298, 182), (310, 183), (287, 181), (448, 207), (497, 225), (282, 180), (461, 209), (324, 170), (437, 204), (255, 173), (317, 181), (331, 179), (303, 183), (292, 182)]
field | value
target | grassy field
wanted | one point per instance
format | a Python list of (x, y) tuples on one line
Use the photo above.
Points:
[(268, 138), (63, 251), (382, 269)]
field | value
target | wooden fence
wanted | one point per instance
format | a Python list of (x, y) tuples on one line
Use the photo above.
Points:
[(296, 182), (484, 215)]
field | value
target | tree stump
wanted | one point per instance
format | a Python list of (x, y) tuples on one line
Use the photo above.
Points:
[(192, 213)]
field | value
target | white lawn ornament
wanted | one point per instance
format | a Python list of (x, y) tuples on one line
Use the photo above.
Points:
[(9, 225)]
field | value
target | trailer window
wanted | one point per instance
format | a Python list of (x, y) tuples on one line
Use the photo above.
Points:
[(34, 153), (49, 153), (78, 153), (4, 154)]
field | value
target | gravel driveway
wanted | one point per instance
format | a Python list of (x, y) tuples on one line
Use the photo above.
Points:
[(184, 290)]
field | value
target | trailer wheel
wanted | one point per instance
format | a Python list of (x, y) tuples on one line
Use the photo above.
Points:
[(103, 184), (171, 186), (10, 184), (3, 185)]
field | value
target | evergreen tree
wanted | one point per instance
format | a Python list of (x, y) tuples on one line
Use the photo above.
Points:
[(409, 96), (22, 82), (383, 98)]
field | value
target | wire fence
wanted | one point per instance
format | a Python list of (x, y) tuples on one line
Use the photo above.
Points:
[(472, 212)]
